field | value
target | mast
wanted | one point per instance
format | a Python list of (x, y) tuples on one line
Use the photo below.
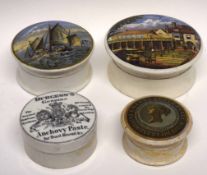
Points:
[(55, 36), (47, 36), (58, 35), (69, 39)]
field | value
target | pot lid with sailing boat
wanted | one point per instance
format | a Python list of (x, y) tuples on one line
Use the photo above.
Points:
[(153, 46), (52, 46)]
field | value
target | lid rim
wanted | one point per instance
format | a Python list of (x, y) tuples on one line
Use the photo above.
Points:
[(135, 136)]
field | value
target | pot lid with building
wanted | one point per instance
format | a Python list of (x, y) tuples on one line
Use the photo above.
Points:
[(153, 46)]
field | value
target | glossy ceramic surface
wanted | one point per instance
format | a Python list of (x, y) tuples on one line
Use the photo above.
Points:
[(155, 130), (58, 117), (52, 45), (59, 129), (153, 41), (156, 117)]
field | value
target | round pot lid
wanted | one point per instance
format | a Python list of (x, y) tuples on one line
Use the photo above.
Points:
[(58, 121), (156, 118), (52, 45), (153, 44)]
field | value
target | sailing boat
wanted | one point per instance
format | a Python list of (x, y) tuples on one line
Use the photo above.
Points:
[(55, 42)]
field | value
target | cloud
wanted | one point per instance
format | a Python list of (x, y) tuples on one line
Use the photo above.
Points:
[(147, 24)]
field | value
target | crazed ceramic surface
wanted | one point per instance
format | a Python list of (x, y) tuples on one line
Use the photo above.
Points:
[(156, 117), (52, 45), (153, 41), (155, 130), (155, 156)]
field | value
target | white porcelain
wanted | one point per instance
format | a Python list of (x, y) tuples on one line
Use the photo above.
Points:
[(151, 51), (53, 55), (137, 87), (153, 46), (72, 80), (155, 130), (59, 129)]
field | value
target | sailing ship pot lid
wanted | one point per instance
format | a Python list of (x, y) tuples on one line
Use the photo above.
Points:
[(155, 130), (153, 46), (59, 129), (52, 47)]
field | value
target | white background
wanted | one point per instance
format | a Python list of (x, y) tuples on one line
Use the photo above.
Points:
[(97, 17)]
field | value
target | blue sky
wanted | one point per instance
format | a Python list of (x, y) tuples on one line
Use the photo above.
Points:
[(37, 28), (149, 22), (160, 18)]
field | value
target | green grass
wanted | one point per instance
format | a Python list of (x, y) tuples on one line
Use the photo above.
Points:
[(174, 58)]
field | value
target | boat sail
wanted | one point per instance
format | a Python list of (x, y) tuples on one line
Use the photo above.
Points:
[(39, 46), (28, 53), (58, 35), (56, 39)]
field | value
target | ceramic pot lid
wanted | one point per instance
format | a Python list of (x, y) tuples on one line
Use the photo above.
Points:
[(52, 45), (153, 44), (156, 118), (58, 121)]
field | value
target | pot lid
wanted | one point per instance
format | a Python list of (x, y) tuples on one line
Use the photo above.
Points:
[(58, 122), (52, 45), (153, 42), (156, 118)]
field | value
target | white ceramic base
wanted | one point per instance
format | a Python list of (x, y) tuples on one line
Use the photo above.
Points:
[(154, 156), (136, 87), (63, 160), (70, 82)]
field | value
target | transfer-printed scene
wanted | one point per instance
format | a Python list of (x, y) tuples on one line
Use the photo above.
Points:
[(52, 45), (154, 41)]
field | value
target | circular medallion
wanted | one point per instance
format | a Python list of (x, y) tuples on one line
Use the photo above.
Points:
[(153, 42), (156, 117), (58, 117), (52, 45)]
